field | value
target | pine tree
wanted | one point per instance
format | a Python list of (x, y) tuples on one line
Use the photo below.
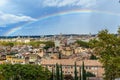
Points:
[(79, 73), (83, 72), (75, 72), (57, 72), (52, 74), (61, 76), (60, 56)]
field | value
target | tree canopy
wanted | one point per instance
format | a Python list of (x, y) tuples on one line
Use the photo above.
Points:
[(48, 44), (82, 43), (107, 48), (23, 72)]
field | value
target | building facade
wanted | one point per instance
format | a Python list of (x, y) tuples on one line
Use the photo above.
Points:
[(92, 66)]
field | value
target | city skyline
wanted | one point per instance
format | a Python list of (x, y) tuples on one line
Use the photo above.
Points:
[(51, 17)]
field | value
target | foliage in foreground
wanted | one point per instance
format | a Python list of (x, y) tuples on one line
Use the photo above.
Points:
[(23, 72), (107, 48)]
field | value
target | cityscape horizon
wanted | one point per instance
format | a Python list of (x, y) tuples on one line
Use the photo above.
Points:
[(60, 40)]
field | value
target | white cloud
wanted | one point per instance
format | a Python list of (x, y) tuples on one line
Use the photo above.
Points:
[(3, 2), (62, 3), (6, 18), (86, 3)]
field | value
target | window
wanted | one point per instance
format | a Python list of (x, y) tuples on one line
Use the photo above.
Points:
[(86, 67), (96, 68), (71, 67), (92, 68), (68, 72), (65, 71), (89, 67), (95, 73)]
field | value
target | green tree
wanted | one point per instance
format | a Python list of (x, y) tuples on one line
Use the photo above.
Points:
[(59, 55), (24, 72), (49, 44), (61, 75), (83, 72), (52, 75), (89, 74), (93, 57), (79, 73), (118, 31), (11, 44), (107, 48), (75, 72), (57, 72), (82, 43)]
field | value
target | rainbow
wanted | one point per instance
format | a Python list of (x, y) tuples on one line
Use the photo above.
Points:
[(75, 11)]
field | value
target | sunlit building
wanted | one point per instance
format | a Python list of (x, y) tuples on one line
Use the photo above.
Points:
[(92, 66)]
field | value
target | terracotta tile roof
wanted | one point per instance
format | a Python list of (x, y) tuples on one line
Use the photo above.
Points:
[(71, 62)]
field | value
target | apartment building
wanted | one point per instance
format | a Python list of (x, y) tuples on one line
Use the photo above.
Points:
[(92, 66)]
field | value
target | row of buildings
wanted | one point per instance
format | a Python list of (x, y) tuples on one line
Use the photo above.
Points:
[(65, 52), (92, 66)]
